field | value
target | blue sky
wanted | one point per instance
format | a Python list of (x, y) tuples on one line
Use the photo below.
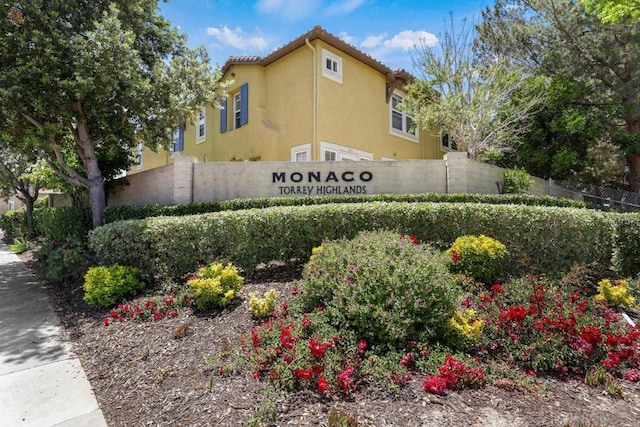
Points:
[(387, 30)]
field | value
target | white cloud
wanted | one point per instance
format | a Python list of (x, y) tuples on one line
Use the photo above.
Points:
[(344, 7), (290, 10), (237, 38), (373, 41), (407, 40), (347, 38)]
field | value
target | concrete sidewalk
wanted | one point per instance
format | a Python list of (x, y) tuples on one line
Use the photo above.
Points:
[(42, 383)]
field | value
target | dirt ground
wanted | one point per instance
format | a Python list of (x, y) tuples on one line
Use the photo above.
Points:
[(143, 375)]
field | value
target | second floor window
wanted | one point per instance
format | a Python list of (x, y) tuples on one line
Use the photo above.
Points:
[(237, 110), (201, 125), (239, 115), (332, 66), (401, 122), (177, 143)]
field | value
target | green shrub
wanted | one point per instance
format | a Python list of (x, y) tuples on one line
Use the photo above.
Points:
[(106, 286), (63, 222), (480, 257), (14, 224), (215, 286), (384, 287), (66, 260), (516, 181), (539, 239), (19, 245), (626, 241)]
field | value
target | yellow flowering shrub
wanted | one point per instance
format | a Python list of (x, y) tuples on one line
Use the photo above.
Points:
[(615, 293), (468, 330), (215, 286), (480, 257), (262, 307)]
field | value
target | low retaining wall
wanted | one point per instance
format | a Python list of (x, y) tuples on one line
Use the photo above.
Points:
[(187, 181)]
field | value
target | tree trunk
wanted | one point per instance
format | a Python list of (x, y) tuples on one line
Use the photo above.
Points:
[(632, 122), (85, 147), (28, 204)]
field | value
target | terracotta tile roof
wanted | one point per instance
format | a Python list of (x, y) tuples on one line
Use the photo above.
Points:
[(318, 32)]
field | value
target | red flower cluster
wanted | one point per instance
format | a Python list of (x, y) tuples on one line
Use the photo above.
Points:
[(323, 384), (517, 313), (407, 359), (455, 255), (411, 237), (286, 338), (345, 378), (452, 375), (150, 310), (318, 349)]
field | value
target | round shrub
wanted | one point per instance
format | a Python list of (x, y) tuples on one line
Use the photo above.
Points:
[(106, 286), (265, 306), (383, 286), (215, 286), (480, 257)]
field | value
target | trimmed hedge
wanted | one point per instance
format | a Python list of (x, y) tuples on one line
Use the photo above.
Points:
[(539, 239), (59, 223)]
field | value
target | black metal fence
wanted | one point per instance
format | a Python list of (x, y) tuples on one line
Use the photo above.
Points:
[(602, 197)]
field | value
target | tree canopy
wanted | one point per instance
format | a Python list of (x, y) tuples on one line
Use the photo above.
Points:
[(559, 38), (95, 78), (613, 11), (483, 107)]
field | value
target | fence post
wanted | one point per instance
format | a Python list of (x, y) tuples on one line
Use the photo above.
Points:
[(457, 165), (183, 179)]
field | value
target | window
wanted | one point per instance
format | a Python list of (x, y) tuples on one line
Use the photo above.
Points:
[(301, 153), (335, 152), (330, 155), (177, 143), (236, 110), (10, 205), (139, 155), (448, 144), (201, 125), (332, 66), (401, 122), (240, 106)]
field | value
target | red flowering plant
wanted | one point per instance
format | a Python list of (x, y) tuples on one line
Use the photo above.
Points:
[(539, 325), (297, 349), (148, 309)]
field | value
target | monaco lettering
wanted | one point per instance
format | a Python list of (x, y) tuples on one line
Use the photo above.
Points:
[(311, 177)]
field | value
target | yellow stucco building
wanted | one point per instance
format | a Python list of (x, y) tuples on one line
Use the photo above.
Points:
[(315, 99)]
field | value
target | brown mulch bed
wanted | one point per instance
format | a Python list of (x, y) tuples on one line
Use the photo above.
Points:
[(143, 375)]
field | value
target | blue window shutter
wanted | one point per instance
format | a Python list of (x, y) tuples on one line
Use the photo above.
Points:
[(180, 138), (244, 104), (223, 116)]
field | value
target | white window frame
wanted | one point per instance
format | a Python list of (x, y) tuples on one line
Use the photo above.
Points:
[(405, 132), (333, 155), (299, 149), (335, 71), (175, 139), (201, 124), (342, 152), (139, 155), (11, 206), (237, 110)]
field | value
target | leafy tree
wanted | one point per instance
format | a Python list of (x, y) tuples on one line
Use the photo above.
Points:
[(559, 39), (105, 75), (21, 176), (613, 11), (473, 102), (563, 138)]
